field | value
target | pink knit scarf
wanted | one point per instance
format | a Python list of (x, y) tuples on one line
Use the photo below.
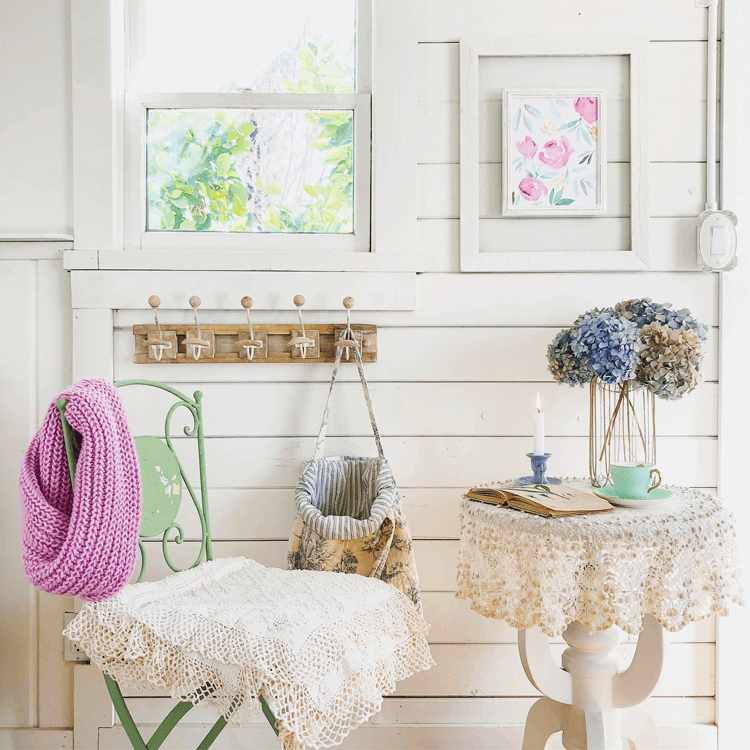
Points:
[(82, 542)]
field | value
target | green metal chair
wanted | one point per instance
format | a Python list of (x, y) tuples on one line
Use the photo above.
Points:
[(162, 469)]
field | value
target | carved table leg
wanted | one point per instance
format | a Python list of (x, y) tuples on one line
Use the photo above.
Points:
[(639, 729), (543, 720), (587, 694)]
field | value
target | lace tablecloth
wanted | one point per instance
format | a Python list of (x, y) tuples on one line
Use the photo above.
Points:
[(677, 561)]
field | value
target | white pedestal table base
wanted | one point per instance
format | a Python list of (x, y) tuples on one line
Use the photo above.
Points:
[(592, 700)]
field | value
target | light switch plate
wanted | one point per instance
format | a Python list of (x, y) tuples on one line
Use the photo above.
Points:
[(71, 652)]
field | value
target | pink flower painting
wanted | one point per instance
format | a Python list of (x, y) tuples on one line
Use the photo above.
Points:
[(531, 189), (588, 108), (556, 152), (552, 156), (527, 148)]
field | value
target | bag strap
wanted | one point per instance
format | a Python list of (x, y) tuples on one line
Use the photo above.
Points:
[(319, 446)]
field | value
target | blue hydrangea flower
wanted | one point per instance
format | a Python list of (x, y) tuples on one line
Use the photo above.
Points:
[(563, 363), (645, 311), (608, 344)]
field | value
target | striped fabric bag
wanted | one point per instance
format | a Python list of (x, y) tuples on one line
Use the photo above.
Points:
[(349, 514)]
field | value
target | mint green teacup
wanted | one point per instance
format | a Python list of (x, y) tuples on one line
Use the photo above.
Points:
[(632, 479)]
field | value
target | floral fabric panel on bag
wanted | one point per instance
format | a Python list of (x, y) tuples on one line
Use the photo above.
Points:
[(385, 551)]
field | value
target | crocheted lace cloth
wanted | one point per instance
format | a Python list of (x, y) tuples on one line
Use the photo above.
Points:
[(323, 648), (676, 561)]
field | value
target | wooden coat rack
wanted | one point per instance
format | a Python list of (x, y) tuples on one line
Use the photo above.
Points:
[(243, 343)]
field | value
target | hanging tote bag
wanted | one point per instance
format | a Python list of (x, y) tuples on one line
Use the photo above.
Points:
[(349, 514)]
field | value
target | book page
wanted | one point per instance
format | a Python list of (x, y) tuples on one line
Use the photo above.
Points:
[(559, 498)]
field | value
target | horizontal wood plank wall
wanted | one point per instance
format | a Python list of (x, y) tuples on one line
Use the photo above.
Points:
[(454, 385)]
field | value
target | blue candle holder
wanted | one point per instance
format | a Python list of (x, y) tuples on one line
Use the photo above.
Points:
[(539, 467)]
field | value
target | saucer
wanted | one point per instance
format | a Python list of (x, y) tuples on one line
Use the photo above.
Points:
[(655, 497)]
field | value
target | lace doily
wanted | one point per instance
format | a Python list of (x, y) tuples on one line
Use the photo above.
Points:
[(677, 561), (323, 648)]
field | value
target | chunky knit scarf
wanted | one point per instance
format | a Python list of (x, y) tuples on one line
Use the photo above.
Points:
[(83, 541)]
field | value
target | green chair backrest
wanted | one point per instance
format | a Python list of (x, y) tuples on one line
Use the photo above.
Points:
[(162, 476)]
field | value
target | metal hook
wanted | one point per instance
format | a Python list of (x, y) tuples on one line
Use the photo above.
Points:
[(158, 344), (251, 344), (194, 341), (301, 342), (348, 339)]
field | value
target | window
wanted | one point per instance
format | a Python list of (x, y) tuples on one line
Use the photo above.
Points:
[(248, 125)]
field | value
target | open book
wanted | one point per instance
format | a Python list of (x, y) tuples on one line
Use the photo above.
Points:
[(544, 500)]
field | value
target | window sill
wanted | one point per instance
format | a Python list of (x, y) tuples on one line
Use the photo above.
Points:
[(114, 260)]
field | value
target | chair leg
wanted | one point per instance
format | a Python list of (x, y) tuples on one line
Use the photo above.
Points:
[(122, 711), (213, 733), (172, 719), (270, 718)]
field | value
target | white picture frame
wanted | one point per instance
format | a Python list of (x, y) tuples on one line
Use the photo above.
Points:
[(553, 165), (475, 258)]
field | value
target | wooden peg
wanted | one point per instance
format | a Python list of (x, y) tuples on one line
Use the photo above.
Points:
[(195, 301), (154, 301), (246, 302), (299, 300), (348, 302)]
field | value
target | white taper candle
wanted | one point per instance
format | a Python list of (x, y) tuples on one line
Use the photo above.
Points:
[(538, 427)]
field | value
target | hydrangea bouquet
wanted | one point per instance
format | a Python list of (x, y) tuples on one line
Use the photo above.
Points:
[(629, 353), (636, 340)]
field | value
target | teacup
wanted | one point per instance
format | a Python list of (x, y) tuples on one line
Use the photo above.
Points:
[(633, 479)]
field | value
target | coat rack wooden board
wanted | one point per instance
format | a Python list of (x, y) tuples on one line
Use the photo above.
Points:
[(225, 339)]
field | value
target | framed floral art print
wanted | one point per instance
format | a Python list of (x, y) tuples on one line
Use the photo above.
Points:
[(554, 153)]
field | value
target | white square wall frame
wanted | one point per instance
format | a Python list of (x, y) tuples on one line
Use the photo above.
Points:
[(476, 259)]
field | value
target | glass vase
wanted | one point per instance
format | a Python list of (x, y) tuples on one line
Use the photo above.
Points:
[(622, 427)]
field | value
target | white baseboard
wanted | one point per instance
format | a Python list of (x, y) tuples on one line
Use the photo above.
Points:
[(403, 737), (36, 739)]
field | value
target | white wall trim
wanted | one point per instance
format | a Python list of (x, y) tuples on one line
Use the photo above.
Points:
[(95, 147), (114, 290), (36, 739), (734, 362), (227, 260), (395, 121)]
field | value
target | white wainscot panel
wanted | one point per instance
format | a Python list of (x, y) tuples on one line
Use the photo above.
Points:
[(508, 354), (267, 513), (432, 461), (403, 409), (528, 300), (676, 189), (448, 20), (676, 102), (673, 239)]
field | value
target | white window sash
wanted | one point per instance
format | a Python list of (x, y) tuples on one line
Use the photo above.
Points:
[(135, 194)]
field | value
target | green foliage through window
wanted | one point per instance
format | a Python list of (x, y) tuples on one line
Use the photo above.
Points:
[(243, 170)]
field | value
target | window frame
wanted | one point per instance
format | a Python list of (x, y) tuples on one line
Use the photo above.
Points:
[(137, 236), (99, 65)]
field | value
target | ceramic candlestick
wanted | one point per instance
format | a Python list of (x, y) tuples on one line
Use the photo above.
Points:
[(539, 467)]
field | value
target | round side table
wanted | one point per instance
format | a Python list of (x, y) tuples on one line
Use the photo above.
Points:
[(591, 577)]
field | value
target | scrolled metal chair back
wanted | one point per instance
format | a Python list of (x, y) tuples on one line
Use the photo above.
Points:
[(162, 476)]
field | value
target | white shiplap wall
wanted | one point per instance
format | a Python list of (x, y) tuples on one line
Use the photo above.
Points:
[(453, 388)]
